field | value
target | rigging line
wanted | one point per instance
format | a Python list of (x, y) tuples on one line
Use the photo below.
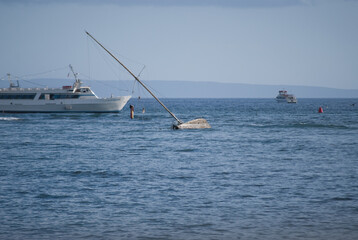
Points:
[(135, 82), (112, 67), (88, 58), (108, 85), (154, 90), (41, 73), (3, 77), (88, 78), (36, 84), (142, 92), (101, 82), (12, 77), (127, 58), (158, 93), (106, 59), (140, 72), (110, 64), (133, 86)]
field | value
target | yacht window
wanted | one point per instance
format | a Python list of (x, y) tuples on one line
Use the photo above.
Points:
[(17, 96)]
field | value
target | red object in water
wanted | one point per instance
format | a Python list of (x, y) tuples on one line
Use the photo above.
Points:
[(320, 110)]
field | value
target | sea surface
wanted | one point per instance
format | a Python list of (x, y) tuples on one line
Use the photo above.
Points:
[(265, 170)]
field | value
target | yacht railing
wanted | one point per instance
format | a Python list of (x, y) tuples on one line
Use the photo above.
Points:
[(27, 89)]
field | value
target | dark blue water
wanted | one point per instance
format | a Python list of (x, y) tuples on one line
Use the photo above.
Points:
[(264, 171)]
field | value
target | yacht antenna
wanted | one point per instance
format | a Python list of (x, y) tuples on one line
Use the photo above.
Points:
[(12, 85), (73, 72), (77, 84)]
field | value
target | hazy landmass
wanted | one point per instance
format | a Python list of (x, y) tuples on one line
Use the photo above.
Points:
[(191, 89)]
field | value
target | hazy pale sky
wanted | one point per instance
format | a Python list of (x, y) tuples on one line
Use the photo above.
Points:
[(290, 42)]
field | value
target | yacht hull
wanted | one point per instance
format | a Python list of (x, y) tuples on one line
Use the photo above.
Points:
[(100, 105)]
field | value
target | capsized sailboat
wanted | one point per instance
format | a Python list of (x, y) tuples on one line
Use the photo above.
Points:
[(193, 124)]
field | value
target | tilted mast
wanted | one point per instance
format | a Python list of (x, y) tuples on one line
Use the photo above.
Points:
[(136, 78)]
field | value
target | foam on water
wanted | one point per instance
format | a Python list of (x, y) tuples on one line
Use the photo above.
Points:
[(9, 119)]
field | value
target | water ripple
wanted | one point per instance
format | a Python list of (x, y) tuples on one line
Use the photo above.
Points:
[(264, 171)]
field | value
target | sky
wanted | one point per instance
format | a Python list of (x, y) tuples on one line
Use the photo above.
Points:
[(272, 42)]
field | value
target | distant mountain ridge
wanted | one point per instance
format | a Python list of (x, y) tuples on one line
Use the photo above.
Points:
[(191, 89)]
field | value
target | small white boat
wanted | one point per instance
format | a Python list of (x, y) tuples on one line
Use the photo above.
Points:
[(283, 96), (291, 98), (75, 98)]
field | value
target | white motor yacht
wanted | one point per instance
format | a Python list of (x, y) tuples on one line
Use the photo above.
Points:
[(75, 98)]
